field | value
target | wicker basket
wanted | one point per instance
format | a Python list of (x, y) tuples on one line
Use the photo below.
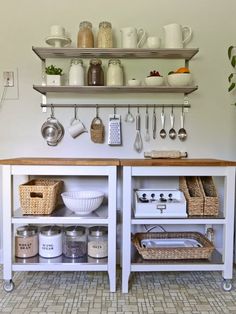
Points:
[(211, 201), (97, 131), (39, 197), (172, 253), (193, 194)]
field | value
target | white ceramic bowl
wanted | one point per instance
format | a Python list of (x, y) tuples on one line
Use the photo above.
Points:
[(134, 82), (179, 79), (82, 202), (154, 80)]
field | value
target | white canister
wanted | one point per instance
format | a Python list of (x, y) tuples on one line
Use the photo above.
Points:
[(76, 73), (50, 241), (115, 74)]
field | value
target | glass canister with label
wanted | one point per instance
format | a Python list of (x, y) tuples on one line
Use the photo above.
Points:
[(26, 241), (76, 72), (115, 74), (98, 242), (95, 73), (74, 241), (50, 241), (105, 35), (85, 38)]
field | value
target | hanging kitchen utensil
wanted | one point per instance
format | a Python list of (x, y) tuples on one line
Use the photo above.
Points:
[(114, 129), (163, 131), (147, 135), (154, 123), (97, 129), (52, 130), (182, 133), (138, 143), (76, 126), (129, 117), (172, 132)]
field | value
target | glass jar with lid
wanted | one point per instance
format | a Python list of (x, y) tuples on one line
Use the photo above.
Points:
[(115, 74), (50, 241), (95, 73), (98, 242), (105, 35), (76, 72), (85, 38), (26, 241), (74, 241)]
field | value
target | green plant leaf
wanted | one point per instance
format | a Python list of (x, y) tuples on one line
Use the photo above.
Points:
[(233, 61), (230, 77), (232, 86), (230, 51)]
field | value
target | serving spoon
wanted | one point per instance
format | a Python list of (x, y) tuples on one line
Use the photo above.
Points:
[(172, 132), (182, 133), (163, 131)]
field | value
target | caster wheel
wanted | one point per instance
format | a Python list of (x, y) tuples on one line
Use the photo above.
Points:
[(8, 286), (227, 285)]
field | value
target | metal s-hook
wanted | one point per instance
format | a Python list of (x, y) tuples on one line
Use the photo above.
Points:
[(52, 111), (114, 111), (75, 112), (97, 111)]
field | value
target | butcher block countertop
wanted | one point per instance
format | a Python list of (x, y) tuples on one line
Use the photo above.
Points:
[(117, 162)]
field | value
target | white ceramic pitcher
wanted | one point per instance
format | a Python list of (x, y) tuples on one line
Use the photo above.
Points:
[(175, 35), (132, 37)]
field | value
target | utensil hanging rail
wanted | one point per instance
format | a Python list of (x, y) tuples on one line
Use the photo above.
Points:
[(115, 105)]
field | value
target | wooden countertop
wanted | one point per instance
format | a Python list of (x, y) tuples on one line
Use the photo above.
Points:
[(61, 161), (117, 162), (177, 162)]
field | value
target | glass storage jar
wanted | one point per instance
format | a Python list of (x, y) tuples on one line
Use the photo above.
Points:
[(85, 37), (50, 241), (115, 75), (74, 241), (105, 35), (98, 242), (26, 241), (95, 73), (76, 72)]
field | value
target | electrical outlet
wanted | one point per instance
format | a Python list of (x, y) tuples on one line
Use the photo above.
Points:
[(8, 78), (9, 84)]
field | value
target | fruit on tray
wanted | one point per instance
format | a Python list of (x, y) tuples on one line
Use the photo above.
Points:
[(154, 73), (180, 70)]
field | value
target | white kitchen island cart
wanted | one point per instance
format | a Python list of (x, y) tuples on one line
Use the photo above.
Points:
[(137, 174), (104, 170)]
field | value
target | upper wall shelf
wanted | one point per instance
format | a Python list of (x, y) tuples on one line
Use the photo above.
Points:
[(44, 53), (44, 89)]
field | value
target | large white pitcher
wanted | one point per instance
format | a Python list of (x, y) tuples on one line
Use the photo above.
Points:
[(132, 37), (175, 35)]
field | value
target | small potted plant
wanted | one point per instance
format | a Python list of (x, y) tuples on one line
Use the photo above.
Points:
[(154, 79), (231, 78), (53, 75)]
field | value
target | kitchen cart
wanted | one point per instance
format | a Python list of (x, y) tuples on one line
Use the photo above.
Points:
[(137, 173), (100, 169)]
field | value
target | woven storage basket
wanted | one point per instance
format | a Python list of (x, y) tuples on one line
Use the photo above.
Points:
[(97, 131), (211, 200), (193, 194), (172, 253), (39, 197)]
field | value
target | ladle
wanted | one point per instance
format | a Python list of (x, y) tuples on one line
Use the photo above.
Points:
[(154, 123), (172, 132), (138, 143), (129, 117), (163, 131), (182, 133), (147, 135)]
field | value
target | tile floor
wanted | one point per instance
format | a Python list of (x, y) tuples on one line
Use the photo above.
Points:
[(88, 292)]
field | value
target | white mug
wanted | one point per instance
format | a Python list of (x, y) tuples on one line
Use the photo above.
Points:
[(57, 31), (132, 37), (175, 35), (76, 128), (153, 42)]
